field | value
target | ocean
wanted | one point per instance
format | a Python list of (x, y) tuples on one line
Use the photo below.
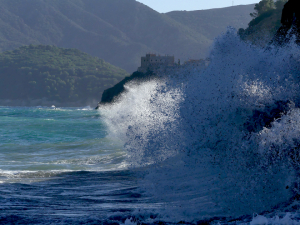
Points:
[(213, 146)]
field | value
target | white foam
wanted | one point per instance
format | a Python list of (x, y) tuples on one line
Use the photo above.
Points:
[(190, 126), (87, 108), (259, 220), (130, 222), (288, 219), (137, 114)]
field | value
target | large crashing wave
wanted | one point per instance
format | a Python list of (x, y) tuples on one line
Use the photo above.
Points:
[(192, 128)]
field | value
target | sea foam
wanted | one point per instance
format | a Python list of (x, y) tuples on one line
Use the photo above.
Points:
[(189, 129)]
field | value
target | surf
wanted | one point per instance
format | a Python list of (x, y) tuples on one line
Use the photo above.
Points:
[(190, 128)]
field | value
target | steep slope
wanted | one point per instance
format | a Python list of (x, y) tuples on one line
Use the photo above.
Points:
[(262, 28)]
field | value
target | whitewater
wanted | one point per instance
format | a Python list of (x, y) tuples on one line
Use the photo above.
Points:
[(212, 146)]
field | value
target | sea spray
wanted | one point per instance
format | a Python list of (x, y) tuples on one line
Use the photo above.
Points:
[(148, 114), (191, 126)]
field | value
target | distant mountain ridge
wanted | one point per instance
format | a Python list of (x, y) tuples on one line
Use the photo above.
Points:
[(118, 31), (212, 22)]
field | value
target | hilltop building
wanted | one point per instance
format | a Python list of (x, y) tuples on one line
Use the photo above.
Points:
[(153, 62)]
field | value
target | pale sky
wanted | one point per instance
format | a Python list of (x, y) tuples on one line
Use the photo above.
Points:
[(171, 5)]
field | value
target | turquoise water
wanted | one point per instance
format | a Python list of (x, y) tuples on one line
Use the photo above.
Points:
[(57, 166), (38, 141)]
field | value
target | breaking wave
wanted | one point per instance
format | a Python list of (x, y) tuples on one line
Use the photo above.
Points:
[(223, 141)]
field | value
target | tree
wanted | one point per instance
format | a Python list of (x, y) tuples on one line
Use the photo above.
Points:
[(262, 6)]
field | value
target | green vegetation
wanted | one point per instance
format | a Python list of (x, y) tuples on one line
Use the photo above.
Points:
[(58, 74), (262, 7), (265, 22)]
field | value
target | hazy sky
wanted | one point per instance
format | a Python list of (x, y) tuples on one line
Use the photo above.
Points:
[(170, 5)]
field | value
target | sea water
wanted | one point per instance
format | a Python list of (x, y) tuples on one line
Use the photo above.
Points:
[(175, 149)]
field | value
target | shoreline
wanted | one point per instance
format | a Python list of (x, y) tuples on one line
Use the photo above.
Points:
[(45, 102)]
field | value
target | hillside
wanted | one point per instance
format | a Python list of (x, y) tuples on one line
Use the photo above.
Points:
[(212, 22), (55, 74), (118, 31)]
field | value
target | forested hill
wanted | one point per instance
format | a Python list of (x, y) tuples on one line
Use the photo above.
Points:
[(118, 31), (55, 74), (266, 19)]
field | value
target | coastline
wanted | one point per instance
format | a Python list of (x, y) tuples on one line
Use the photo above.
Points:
[(45, 102)]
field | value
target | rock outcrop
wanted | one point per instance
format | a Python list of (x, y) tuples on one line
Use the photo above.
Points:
[(290, 21), (112, 94)]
